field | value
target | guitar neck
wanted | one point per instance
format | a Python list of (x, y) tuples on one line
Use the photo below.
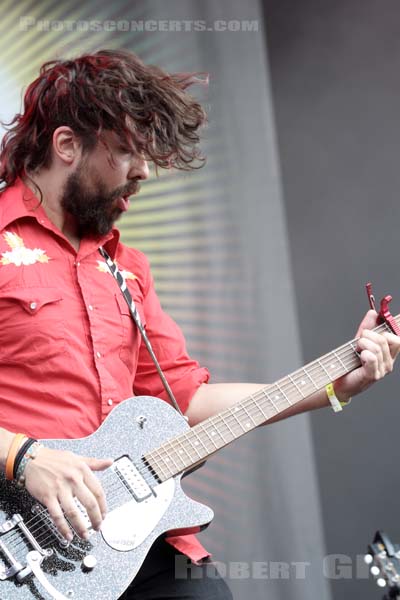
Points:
[(204, 439)]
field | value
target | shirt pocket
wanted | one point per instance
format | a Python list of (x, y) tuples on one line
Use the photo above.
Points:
[(32, 327), (131, 336)]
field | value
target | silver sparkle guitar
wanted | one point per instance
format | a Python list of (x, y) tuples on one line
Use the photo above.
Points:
[(152, 446)]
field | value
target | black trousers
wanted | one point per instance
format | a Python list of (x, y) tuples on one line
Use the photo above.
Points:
[(167, 574)]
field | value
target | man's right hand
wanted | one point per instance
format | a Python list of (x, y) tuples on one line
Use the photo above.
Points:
[(56, 477)]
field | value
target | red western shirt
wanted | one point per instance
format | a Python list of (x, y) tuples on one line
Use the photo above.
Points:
[(69, 351)]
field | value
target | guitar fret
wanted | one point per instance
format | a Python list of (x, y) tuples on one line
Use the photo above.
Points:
[(171, 452), (158, 466), (188, 439), (183, 450), (236, 410), (296, 386), (216, 430), (227, 425), (322, 366), (340, 360), (310, 378), (258, 404), (271, 401), (283, 394), (250, 417), (387, 327), (198, 436), (210, 437), (163, 463), (168, 469)]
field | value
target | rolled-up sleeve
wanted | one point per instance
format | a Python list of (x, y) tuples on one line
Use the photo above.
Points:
[(183, 374)]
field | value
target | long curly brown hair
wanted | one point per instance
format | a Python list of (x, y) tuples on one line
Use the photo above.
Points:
[(108, 90)]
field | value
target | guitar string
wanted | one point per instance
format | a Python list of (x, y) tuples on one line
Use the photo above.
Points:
[(109, 477), (264, 393), (264, 396), (341, 354), (291, 382), (39, 525), (122, 490)]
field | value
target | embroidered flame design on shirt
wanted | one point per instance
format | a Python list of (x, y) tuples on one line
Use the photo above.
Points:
[(104, 269), (19, 254)]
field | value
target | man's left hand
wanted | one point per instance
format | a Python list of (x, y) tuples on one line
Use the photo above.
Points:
[(378, 351)]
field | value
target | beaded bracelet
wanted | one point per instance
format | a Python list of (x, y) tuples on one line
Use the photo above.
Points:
[(21, 452), (29, 455)]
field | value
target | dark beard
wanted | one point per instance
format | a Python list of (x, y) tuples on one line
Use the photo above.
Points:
[(93, 211)]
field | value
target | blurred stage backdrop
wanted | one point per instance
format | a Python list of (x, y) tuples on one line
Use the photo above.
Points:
[(261, 256)]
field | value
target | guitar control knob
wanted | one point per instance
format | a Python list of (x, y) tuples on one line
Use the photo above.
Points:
[(89, 562), (368, 559), (381, 582), (375, 571)]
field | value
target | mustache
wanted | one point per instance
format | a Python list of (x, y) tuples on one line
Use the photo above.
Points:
[(130, 190)]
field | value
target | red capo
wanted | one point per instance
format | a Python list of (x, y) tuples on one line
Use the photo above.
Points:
[(384, 315)]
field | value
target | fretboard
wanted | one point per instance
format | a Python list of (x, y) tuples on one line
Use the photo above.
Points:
[(204, 439)]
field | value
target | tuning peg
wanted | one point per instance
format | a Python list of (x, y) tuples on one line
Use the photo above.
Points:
[(381, 582), (368, 559), (375, 571)]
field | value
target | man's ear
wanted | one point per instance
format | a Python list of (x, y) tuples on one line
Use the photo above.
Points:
[(67, 147)]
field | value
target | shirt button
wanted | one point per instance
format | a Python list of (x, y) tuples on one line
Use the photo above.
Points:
[(98, 354), (77, 264), (90, 307), (110, 402), (33, 305)]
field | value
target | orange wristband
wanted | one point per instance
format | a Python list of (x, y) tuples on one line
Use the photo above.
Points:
[(12, 453)]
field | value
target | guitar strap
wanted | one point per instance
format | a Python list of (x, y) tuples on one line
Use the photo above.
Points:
[(120, 279)]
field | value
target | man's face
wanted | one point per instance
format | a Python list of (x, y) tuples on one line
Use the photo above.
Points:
[(96, 194)]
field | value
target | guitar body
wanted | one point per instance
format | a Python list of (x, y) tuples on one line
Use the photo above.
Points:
[(152, 445), (140, 509)]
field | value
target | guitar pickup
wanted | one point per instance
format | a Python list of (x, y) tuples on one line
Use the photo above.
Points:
[(132, 479)]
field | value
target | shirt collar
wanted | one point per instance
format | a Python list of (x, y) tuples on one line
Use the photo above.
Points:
[(18, 201)]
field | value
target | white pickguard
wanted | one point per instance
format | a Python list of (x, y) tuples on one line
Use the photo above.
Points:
[(128, 525)]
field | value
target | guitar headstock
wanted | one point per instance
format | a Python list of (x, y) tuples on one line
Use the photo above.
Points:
[(383, 558)]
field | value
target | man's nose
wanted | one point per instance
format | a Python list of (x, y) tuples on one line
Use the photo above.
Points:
[(140, 169)]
